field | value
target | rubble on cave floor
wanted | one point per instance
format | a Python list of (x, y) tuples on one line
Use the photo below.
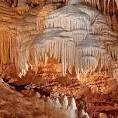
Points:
[(104, 98), (100, 93), (35, 105), (16, 105)]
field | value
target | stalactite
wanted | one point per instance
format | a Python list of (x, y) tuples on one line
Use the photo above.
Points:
[(7, 46), (57, 103), (75, 35), (65, 102), (72, 110)]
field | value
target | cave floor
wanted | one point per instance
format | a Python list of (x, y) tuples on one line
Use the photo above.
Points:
[(100, 95)]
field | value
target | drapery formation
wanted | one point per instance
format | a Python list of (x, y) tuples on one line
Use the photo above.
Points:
[(15, 30), (108, 7), (77, 36), (7, 46)]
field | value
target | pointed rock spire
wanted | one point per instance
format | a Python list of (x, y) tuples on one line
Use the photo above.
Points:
[(65, 102), (57, 103), (73, 104)]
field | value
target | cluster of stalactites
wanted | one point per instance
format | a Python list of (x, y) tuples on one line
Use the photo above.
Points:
[(107, 7), (10, 48), (77, 37), (7, 46)]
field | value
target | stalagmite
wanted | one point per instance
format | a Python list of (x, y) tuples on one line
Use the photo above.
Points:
[(57, 103), (38, 95), (103, 115), (49, 101), (72, 109), (65, 102), (73, 104), (84, 114)]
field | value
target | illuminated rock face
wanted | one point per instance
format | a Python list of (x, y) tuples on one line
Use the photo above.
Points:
[(77, 36), (16, 28), (23, 107)]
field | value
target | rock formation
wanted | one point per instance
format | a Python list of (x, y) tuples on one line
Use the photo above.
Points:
[(14, 104), (68, 31), (76, 36), (66, 47)]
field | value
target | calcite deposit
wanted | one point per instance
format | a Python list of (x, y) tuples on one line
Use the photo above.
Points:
[(59, 58)]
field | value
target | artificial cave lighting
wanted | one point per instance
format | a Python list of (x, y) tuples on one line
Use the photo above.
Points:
[(59, 58)]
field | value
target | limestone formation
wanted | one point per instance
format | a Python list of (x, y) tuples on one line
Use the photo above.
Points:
[(77, 36), (51, 43)]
